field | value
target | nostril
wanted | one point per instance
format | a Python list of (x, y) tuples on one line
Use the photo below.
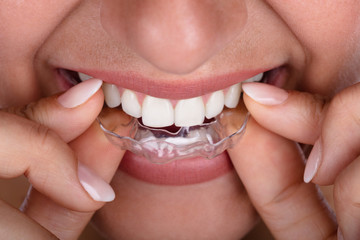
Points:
[(174, 36)]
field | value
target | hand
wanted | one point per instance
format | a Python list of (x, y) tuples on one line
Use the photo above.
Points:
[(271, 166), (44, 140)]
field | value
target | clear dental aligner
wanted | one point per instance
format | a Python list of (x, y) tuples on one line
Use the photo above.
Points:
[(161, 146)]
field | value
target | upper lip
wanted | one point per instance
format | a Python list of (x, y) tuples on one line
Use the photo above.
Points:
[(180, 88)]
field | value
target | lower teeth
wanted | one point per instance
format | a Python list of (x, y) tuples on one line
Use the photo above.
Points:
[(161, 146)]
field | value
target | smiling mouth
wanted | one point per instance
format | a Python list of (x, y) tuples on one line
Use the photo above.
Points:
[(193, 105), (158, 112)]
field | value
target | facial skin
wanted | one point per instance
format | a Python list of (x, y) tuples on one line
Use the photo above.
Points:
[(176, 42)]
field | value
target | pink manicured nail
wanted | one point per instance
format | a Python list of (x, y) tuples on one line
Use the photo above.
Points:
[(264, 93), (97, 188), (313, 162), (80, 93)]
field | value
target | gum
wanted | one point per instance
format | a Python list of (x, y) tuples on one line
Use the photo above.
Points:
[(161, 146)]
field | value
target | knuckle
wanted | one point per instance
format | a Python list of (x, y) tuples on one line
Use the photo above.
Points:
[(344, 103), (319, 107), (35, 111), (42, 138), (46, 153), (313, 114), (286, 194)]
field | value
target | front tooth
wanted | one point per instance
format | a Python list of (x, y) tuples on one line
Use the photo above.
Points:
[(255, 78), (157, 112), (189, 112), (112, 95), (215, 104), (233, 95), (258, 77), (84, 77), (130, 103)]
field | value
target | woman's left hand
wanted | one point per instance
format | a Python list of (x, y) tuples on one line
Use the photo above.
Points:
[(271, 164)]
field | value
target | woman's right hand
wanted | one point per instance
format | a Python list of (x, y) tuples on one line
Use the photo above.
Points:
[(35, 142)]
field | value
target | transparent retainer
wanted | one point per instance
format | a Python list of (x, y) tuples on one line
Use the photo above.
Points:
[(161, 146)]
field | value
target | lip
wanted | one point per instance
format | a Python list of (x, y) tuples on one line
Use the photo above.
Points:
[(177, 173), (184, 171), (179, 88)]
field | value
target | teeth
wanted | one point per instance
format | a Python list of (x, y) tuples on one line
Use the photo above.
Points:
[(189, 112), (130, 103), (84, 77), (215, 104), (157, 112), (233, 95), (256, 78), (112, 95)]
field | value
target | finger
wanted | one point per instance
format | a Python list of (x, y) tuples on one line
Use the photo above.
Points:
[(69, 114), (333, 127), (271, 168), (49, 164), (96, 152), (347, 200), (295, 115), (339, 142), (15, 225), (33, 149)]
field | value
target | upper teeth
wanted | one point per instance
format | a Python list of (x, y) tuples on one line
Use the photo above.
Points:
[(112, 96), (159, 112)]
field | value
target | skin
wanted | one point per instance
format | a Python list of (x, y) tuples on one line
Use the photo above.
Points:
[(318, 42)]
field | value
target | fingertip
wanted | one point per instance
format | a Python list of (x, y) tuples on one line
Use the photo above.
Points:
[(291, 114), (95, 186), (313, 162), (265, 94), (80, 93), (79, 107)]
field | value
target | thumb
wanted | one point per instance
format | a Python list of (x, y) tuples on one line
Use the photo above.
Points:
[(68, 114)]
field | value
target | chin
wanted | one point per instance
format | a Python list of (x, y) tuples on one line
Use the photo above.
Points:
[(214, 209)]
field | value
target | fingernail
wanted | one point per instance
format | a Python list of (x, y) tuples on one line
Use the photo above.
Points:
[(95, 186), (313, 162), (264, 93), (340, 236), (80, 93)]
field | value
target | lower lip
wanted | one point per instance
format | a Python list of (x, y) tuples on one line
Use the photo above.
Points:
[(180, 172)]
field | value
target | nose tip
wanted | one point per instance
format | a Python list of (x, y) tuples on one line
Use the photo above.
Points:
[(176, 36)]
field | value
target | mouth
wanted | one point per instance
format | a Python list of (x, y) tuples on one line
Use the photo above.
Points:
[(160, 112), (174, 108)]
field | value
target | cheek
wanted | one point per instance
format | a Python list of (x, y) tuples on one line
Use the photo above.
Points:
[(319, 25), (217, 208), (25, 25), (327, 33)]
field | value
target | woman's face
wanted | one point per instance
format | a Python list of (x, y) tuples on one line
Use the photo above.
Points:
[(176, 50)]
